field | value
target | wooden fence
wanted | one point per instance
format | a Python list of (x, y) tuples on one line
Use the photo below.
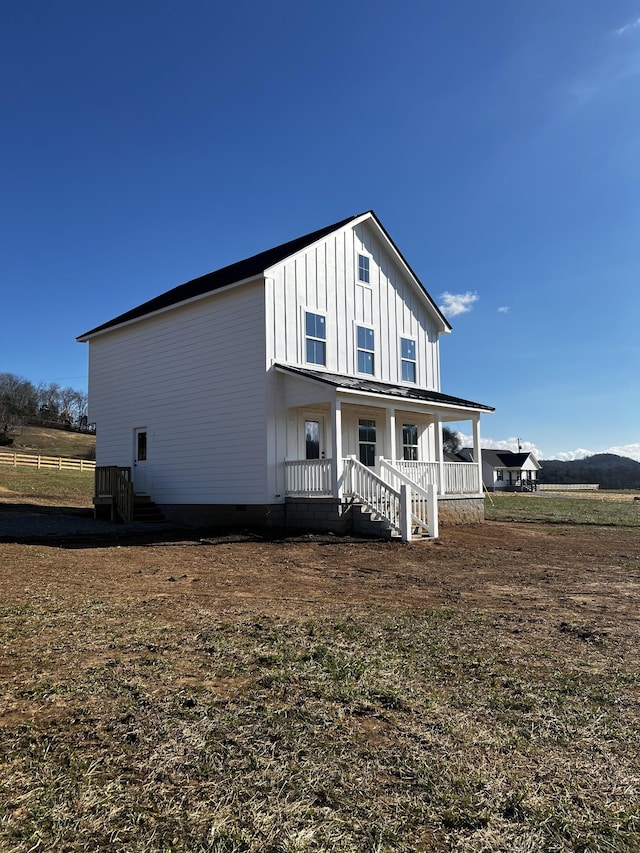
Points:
[(50, 463), (568, 487)]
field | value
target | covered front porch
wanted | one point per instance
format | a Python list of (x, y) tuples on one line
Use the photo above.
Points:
[(368, 441), (321, 478)]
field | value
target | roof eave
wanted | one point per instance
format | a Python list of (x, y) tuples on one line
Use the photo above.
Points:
[(462, 406), (112, 327), (446, 327)]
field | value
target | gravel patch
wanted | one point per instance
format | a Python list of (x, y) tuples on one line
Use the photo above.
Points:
[(22, 522)]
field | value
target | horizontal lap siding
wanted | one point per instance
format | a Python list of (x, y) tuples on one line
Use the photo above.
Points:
[(323, 280), (195, 378)]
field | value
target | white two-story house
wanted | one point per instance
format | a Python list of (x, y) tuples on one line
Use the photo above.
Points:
[(290, 389)]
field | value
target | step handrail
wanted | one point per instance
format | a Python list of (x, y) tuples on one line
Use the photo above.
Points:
[(114, 482), (393, 515), (429, 494)]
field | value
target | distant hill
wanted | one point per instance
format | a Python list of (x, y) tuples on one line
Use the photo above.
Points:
[(606, 469), (53, 442)]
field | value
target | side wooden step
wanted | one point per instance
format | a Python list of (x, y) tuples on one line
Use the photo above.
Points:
[(145, 511)]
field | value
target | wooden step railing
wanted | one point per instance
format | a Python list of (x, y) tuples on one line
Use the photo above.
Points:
[(113, 485)]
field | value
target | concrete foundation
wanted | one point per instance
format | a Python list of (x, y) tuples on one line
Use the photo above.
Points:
[(226, 516), (310, 514), (460, 510)]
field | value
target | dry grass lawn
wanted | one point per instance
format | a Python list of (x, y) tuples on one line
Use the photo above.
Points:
[(479, 693), (53, 442)]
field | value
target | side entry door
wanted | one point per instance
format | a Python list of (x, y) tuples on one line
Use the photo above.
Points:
[(140, 460)]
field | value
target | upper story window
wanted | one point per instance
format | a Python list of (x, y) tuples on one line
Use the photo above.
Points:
[(366, 350), (363, 269), (316, 338), (408, 359)]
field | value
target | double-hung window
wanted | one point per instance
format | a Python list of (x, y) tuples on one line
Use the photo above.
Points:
[(316, 338), (409, 442), (366, 350), (367, 441), (363, 269), (408, 359)]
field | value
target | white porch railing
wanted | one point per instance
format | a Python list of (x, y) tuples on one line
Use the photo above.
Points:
[(313, 477), (403, 493), (308, 477), (422, 473), (460, 478)]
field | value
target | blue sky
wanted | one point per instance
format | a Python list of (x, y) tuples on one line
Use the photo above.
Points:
[(145, 143)]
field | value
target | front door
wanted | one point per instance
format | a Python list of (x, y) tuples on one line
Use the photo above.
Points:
[(140, 460), (314, 438)]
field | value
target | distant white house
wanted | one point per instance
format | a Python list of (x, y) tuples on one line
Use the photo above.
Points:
[(505, 470), (299, 387)]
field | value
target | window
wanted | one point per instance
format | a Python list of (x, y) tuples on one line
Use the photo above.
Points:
[(409, 442), (500, 475), (367, 442), (141, 446), (366, 348), (408, 359), (316, 338), (363, 268), (312, 439)]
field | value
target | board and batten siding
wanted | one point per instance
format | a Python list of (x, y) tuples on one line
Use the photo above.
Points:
[(194, 377), (323, 279)]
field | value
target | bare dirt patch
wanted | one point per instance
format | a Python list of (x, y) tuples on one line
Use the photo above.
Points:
[(494, 567)]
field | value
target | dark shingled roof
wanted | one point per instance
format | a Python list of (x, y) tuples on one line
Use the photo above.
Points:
[(503, 458), (242, 271), (352, 383)]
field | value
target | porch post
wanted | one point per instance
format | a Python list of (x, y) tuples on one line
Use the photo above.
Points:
[(336, 447), (477, 453), (390, 449), (439, 454)]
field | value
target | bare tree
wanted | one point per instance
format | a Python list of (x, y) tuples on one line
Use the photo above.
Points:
[(18, 400), (49, 402), (76, 407), (451, 442)]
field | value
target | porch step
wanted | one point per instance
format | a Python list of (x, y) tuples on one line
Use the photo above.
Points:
[(145, 511), (369, 523)]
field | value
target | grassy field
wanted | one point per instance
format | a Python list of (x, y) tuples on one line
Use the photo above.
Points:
[(53, 442), (604, 509), (47, 488), (24, 485)]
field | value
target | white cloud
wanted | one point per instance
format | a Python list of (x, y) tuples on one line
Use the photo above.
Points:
[(632, 451), (503, 309), (503, 444), (457, 303), (572, 455), (634, 25)]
